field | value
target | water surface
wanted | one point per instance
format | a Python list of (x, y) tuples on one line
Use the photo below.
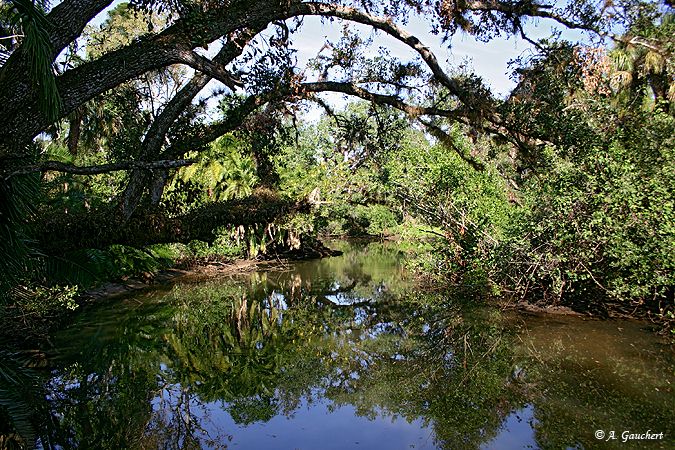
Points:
[(342, 353)]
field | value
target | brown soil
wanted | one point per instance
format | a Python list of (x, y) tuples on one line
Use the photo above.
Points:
[(557, 310)]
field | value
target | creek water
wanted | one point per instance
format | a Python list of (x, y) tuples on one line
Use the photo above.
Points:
[(347, 352)]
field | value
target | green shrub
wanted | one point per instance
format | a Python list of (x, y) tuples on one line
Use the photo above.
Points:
[(601, 227)]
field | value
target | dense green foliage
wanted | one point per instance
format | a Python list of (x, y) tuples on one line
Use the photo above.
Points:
[(587, 226), (595, 225), (601, 226), (581, 217), (559, 193)]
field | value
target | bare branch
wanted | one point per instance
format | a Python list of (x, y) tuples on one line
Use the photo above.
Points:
[(391, 100), (211, 68), (527, 9), (57, 166), (206, 134), (238, 114), (69, 18)]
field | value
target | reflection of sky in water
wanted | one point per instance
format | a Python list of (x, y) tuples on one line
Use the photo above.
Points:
[(312, 425), (517, 431), (318, 424), (351, 296), (316, 427)]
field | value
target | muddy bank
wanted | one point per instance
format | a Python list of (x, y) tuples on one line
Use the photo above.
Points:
[(641, 318), (195, 270)]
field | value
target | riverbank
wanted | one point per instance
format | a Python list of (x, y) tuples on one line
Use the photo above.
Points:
[(27, 323), (196, 269), (199, 270)]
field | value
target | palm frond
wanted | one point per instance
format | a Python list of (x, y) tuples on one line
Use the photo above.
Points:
[(621, 61), (32, 18), (15, 380), (17, 197), (81, 267)]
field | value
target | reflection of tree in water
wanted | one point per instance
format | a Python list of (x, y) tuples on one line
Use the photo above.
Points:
[(209, 345), (362, 272), (86, 405), (597, 376), (177, 422), (155, 376), (426, 362), (383, 358), (162, 373)]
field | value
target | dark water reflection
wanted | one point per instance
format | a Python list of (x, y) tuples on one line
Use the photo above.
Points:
[(346, 353)]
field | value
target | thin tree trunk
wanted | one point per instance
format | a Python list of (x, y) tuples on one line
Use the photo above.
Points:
[(74, 132), (159, 179)]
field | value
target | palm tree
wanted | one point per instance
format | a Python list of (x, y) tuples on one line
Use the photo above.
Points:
[(240, 176), (23, 26), (643, 65)]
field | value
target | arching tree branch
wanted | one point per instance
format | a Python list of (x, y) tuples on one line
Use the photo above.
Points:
[(176, 44), (389, 27), (381, 99), (212, 69)]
